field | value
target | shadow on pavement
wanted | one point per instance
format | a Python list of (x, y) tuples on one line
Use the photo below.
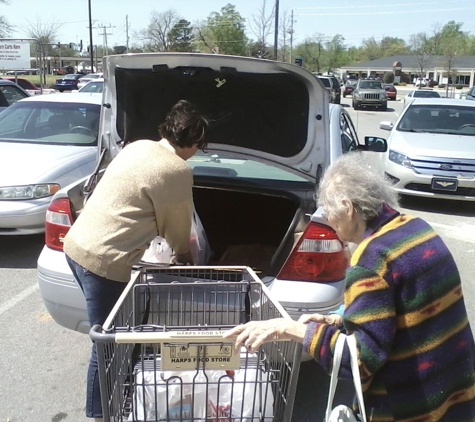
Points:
[(312, 393), (438, 206), (20, 251)]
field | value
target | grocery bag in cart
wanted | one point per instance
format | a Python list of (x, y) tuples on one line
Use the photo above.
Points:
[(185, 370)]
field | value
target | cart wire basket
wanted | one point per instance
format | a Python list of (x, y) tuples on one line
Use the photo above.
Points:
[(162, 355)]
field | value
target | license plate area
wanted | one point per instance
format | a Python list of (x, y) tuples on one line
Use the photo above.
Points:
[(444, 184)]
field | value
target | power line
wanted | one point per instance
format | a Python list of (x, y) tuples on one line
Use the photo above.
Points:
[(380, 5), (386, 13)]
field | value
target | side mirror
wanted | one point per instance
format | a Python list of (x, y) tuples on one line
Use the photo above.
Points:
[(375, 144), (385, 125)]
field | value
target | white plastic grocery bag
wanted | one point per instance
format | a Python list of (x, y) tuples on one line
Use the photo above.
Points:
[(159, 251)]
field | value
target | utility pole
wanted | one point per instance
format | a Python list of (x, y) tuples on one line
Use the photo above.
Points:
[(105, 34), (276, 29), (291, 33), (91, 45), (127, 32)]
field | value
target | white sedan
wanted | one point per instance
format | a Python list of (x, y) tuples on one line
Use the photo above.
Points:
[(88, 78), (420, 93), (47, 142), (430, 149)]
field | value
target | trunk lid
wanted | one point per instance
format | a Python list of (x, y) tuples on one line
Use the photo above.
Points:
[(273, 112)]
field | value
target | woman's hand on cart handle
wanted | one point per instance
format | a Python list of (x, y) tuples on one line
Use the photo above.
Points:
[(255, 333), (332, 319)]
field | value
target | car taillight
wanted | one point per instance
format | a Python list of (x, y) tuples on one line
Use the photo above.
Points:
[(59, 219), (319, 256)]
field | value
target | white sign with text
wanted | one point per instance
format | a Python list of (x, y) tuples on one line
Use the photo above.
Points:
[(14, 55)]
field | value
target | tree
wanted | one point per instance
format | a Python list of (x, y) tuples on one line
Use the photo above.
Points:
[(181, 36), (420, 52), (261, 26), (285, 37), (312, 50), (388, 77), (120, 49), (335, 49), (156, 36), (223, 32), (45, 35), (5, 28), (386, 47)]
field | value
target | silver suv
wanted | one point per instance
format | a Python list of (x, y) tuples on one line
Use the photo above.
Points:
[(370, 92)]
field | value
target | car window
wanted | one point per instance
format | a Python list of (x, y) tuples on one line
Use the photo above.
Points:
[(12, 94), (426, 94), (349, 138), (223, 166), (448, 119), (326, 82), (70, 77), (50, 123), (370, 85), (93, 87)]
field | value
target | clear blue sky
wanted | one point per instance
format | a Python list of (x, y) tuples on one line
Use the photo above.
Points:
[(355, 20)]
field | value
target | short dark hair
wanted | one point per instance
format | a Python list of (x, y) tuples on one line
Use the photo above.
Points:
[(185, 126)]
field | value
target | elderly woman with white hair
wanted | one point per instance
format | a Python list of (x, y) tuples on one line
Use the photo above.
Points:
[(403, 301)]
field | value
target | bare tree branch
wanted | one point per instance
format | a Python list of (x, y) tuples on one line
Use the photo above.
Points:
[(261, 25), (161, 23)]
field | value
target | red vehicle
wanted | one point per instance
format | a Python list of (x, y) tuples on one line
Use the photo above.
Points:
[(349, 87), (391, 91)]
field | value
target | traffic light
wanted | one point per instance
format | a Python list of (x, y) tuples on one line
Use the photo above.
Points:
[(59, 44), (71, 45), (80, 45), (298, 61)]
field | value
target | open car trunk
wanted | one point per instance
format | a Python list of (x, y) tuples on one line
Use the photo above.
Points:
[(248, 228)]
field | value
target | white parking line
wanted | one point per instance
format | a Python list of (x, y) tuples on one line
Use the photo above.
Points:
[(18, 298), (465, 232)]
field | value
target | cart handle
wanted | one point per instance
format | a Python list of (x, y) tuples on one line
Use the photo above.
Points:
[(182, 336)]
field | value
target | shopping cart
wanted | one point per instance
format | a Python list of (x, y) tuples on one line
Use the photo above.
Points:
[(162, 356)]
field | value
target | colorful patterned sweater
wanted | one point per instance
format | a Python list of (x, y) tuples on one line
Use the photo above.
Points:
[(403, 301)]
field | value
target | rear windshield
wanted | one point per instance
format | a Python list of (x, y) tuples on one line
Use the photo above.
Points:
[(326, 82), (426, 94), (265, 112)]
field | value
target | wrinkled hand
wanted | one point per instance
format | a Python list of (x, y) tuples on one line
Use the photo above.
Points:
[(333, 319), (255, 333)]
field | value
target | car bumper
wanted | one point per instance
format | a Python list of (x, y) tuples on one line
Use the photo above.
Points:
[(62, 296), (407, 182), (391, 95), (23, 217), (370, 102)]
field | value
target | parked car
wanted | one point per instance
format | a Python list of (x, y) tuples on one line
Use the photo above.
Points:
[(421, 82), (471, 94), (275, 134), (48, 142), (68, 82), (391, 91), (420, 93), (65, 70), (29, 86), (349, 87), (10, 93), (17, 72), (96, 85), (336, 85), (370, 93), (327, 83), (430, 149), (88, 78)]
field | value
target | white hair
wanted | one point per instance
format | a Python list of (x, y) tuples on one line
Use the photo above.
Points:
[(353, 179)]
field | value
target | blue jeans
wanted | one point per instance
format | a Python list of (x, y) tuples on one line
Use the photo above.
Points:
[(101, 295)]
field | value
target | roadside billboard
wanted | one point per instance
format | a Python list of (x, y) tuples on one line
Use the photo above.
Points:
[(14, 55)]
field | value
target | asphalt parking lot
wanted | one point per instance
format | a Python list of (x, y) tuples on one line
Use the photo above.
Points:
[(44, 365)]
